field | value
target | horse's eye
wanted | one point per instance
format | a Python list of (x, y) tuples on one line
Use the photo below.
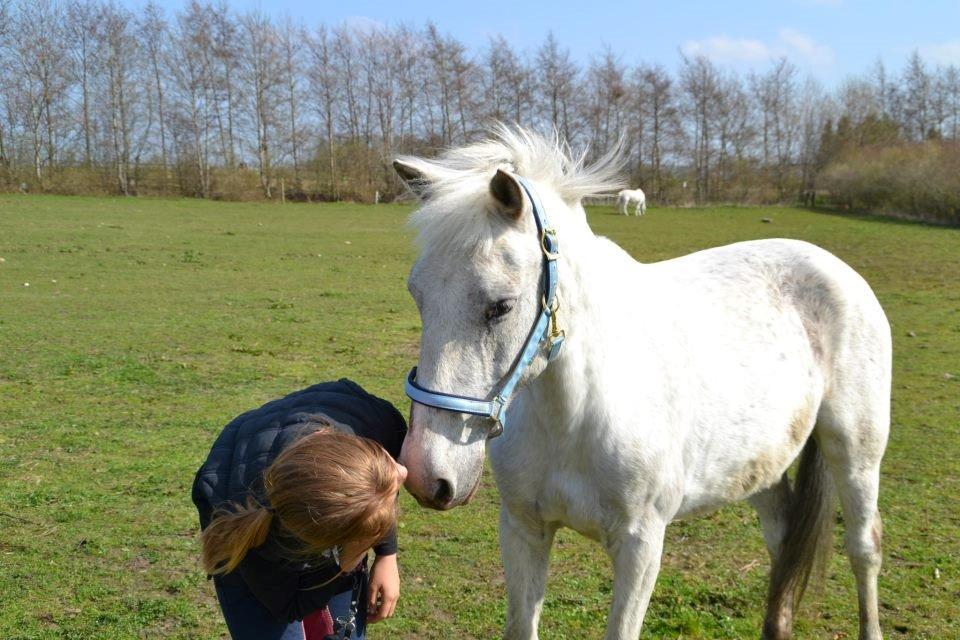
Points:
[(498, 309)]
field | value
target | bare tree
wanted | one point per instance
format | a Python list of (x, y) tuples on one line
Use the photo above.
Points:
[(410, 53), (325, 92), (734, 135), (191, 76), (154, 36), (388, 65), (225, 54), (607, 101), (699, 79), (81, 26), (951, 80), (452, 84), (344, 59), (5, 22), (119, 50), (464, 86), (917, 90), (290, 53), (774, 92), (557, 79), (262, 68), (814, 113), (661, 115), (39, 59), (506, 82)]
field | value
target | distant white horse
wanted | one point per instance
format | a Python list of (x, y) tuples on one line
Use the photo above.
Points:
[(681, 385), (632, 196)]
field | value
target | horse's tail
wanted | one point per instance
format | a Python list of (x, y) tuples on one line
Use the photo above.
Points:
[(809, 519), (643, 206)]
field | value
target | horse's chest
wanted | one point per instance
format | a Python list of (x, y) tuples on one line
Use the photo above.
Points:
[(566, 491)]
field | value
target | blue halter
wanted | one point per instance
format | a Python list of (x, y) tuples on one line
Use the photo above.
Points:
[(544, 331)]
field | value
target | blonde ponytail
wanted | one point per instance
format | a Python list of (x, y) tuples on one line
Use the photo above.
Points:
[(231, 534)]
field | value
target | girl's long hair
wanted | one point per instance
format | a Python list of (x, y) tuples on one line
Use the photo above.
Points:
[(325, 490)]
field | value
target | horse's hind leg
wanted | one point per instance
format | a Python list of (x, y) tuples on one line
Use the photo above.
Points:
[(852, 443), (772, 506)]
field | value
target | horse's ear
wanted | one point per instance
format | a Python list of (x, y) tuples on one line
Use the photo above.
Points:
[(415, 179), (507, 194)]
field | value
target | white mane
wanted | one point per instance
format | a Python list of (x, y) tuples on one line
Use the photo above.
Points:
[(457, 193)]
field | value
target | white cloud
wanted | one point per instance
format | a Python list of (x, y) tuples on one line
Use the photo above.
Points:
[(725, 49), (363, 24), (790, 43), (806, 47), (942, 53)]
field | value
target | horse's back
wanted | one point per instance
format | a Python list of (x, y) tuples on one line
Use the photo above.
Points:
[(740, 282), (766, 326)]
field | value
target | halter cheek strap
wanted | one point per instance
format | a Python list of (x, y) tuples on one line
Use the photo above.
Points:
[(543, 332)]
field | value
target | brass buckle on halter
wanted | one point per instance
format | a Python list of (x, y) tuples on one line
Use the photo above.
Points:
[(555, 339), (550, 255), (552, 312), (497, 415)]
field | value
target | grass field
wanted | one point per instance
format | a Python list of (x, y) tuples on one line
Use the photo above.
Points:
[(147, 324)]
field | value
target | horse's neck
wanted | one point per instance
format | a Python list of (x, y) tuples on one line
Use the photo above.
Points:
[(594, 278)]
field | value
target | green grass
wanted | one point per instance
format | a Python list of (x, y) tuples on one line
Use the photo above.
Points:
[(150, 323)]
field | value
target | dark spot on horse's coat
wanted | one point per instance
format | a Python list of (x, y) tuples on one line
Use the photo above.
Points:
[(801, 423), (759, 473), (765, 470)]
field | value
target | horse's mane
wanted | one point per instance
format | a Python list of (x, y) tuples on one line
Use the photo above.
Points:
[(457, 181)]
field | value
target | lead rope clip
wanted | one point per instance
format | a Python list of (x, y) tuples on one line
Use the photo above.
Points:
[(555, 339)]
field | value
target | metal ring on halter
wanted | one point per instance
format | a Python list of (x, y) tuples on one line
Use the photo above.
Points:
[(551, 254)]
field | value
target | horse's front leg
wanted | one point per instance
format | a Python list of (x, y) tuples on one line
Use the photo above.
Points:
[(525, 543), (636, 562)]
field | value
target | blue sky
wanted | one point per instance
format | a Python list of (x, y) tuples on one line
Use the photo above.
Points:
[(829, 39)]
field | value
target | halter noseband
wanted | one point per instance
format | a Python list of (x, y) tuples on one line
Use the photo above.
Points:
[(544, 331)]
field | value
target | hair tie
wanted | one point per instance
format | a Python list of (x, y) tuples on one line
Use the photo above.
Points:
[(270, 510)]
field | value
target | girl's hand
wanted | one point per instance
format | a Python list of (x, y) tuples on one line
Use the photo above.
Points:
[(384, 589)]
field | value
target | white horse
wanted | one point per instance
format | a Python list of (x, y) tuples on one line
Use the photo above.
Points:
[(632, 196), (682, 385)]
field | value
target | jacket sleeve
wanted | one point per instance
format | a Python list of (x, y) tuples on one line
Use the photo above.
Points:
[(387, 546)]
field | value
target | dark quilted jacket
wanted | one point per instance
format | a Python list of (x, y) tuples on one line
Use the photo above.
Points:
[(246, 447)]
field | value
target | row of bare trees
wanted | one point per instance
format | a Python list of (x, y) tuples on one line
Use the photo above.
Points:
[(96, 97)]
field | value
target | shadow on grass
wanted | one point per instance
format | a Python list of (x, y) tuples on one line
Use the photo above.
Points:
[(879, 217)]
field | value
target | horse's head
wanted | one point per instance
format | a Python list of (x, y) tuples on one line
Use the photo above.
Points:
[(477, 284)]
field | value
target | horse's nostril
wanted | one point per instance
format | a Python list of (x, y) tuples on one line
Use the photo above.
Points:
[(444, 492)]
